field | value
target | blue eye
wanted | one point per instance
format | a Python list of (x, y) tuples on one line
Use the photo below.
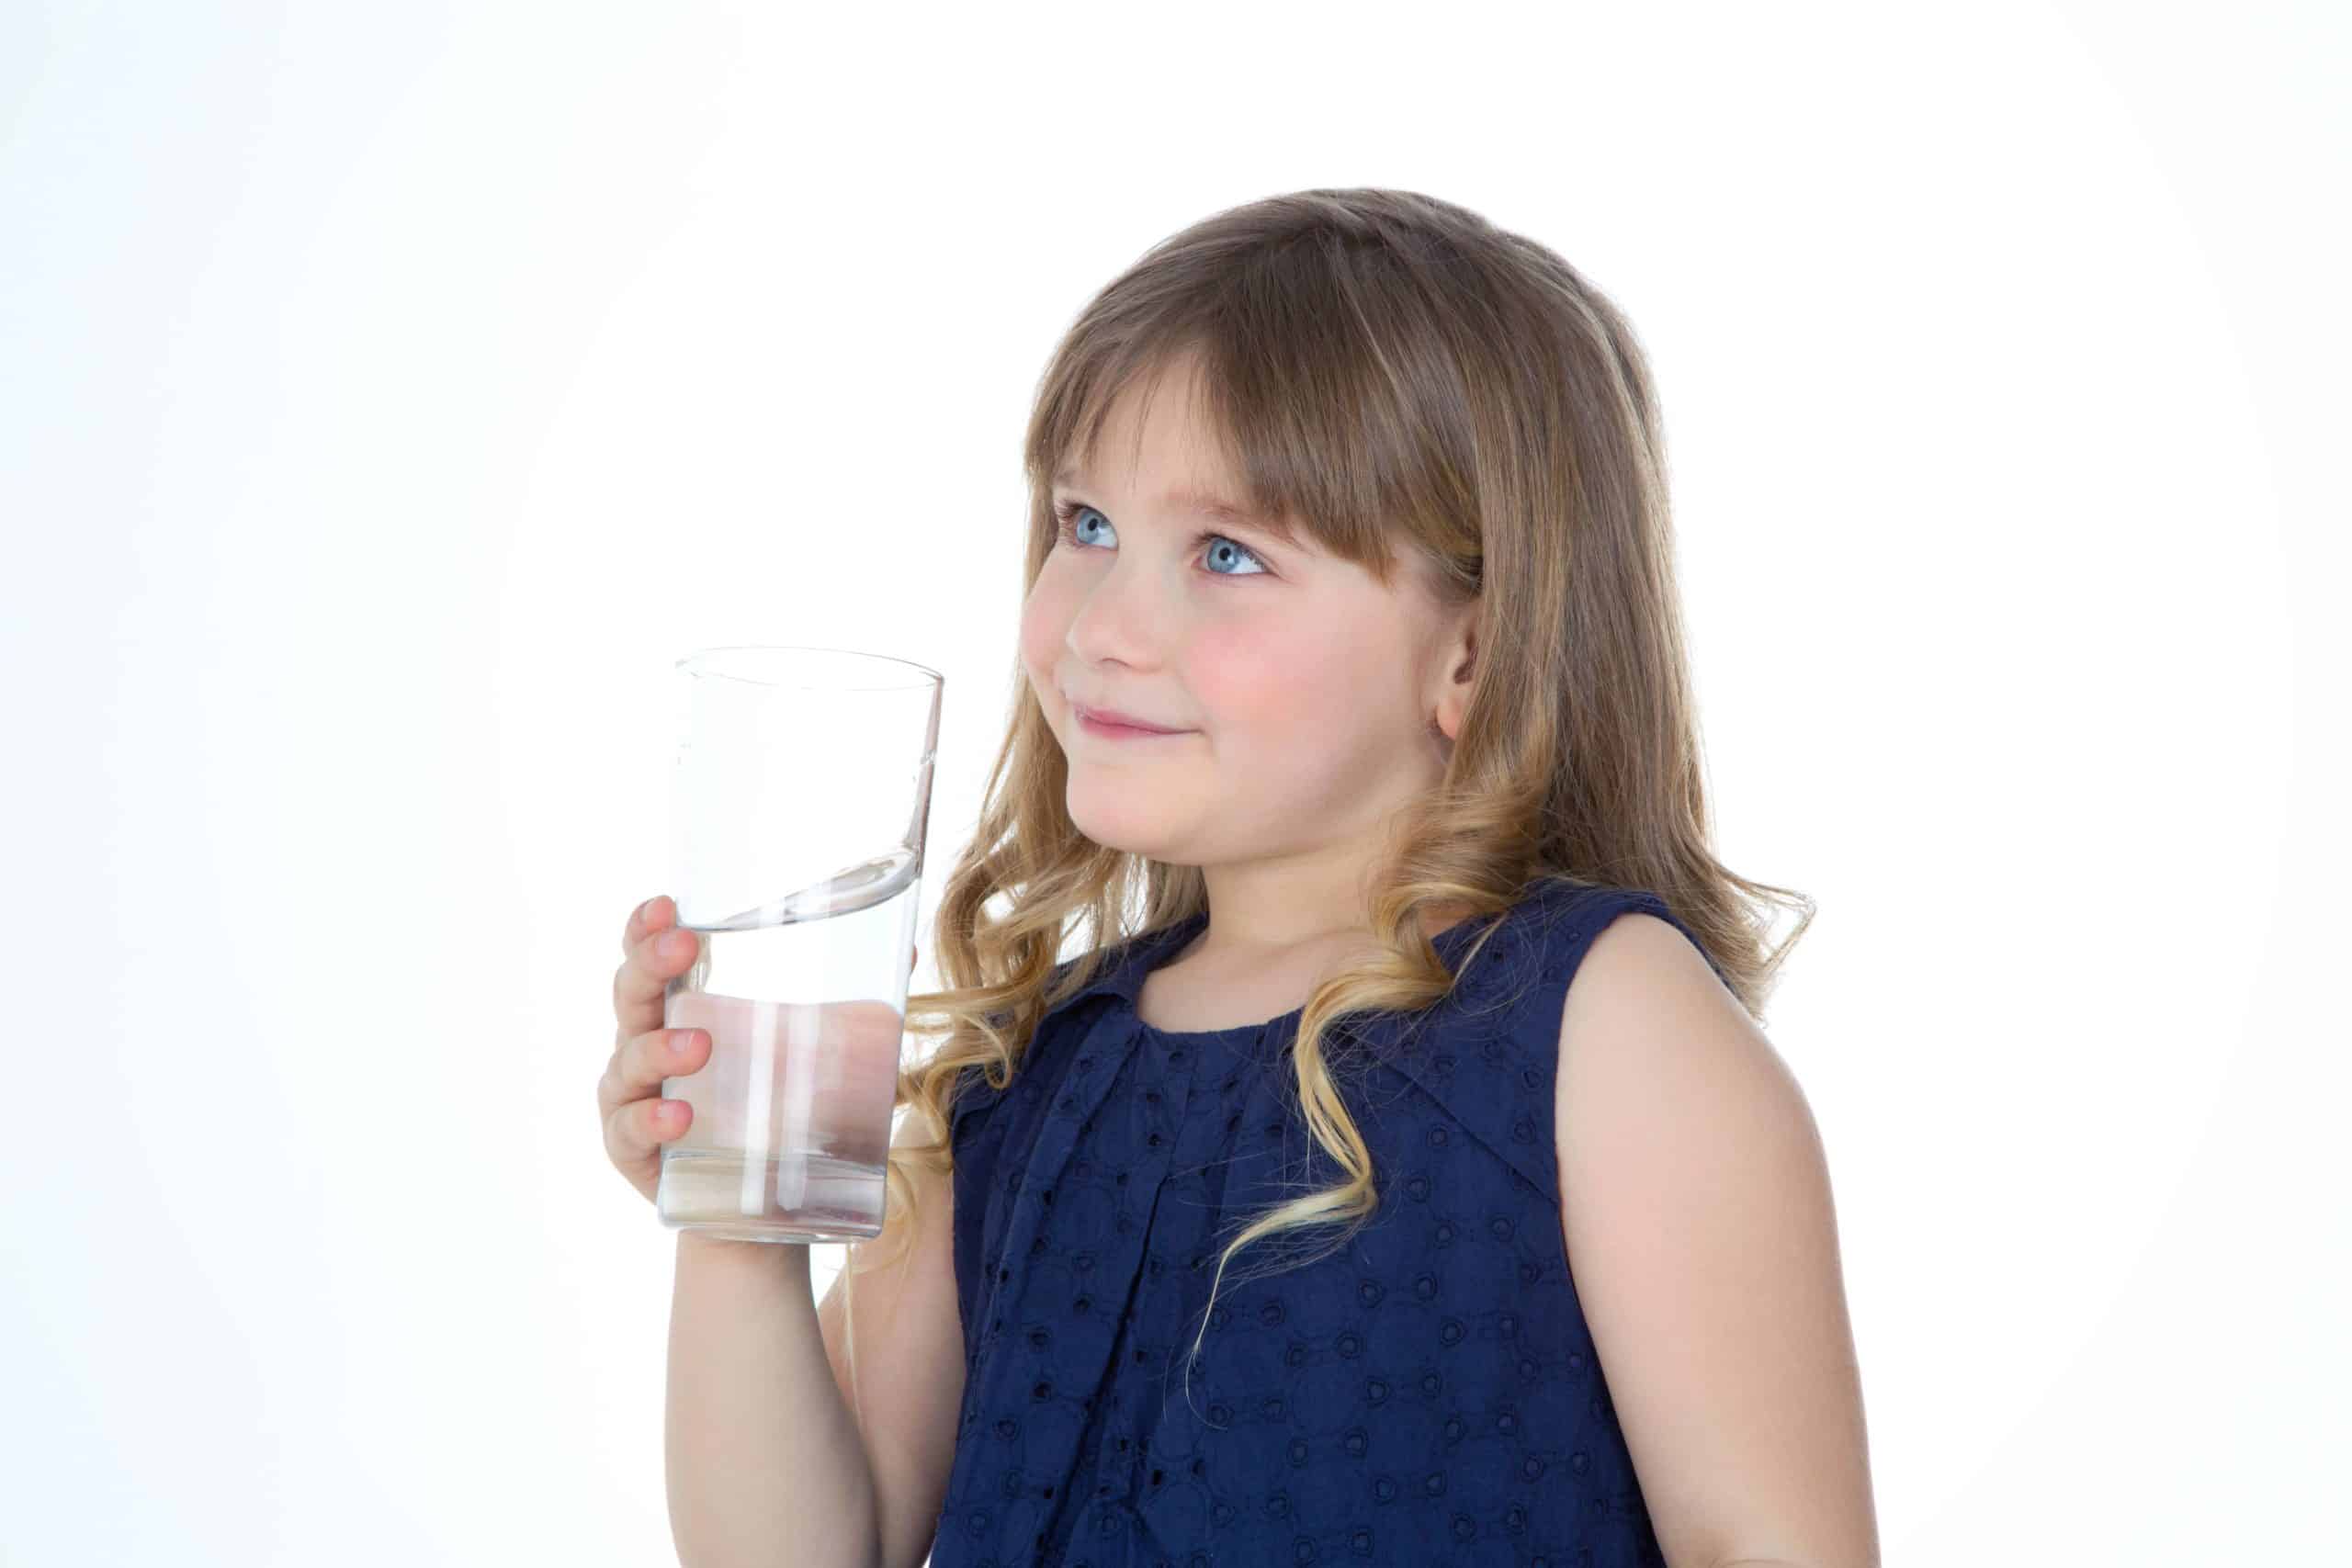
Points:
[(1066, 513)]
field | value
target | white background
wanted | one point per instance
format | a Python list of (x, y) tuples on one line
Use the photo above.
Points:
[(387, 394)]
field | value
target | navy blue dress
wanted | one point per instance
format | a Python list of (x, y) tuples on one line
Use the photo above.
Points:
[(1428, 1393)]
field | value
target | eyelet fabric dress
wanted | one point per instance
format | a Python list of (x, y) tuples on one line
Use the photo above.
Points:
[(1427, 1393)]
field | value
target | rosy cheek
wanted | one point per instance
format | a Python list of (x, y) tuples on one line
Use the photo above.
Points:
[(1259, 671), (1044, 625)]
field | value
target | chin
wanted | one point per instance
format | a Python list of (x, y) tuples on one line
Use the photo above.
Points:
[(1116, 820)]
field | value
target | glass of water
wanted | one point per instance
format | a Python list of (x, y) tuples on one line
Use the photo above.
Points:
[(802, 796)]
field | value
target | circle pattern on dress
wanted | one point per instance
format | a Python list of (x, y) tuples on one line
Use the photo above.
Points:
[(1427, 1392)]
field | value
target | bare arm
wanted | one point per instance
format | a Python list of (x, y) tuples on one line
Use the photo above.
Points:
[(1696, 1207), (774, 1453), (910, 1384), (764, 1465), (768, 1458)]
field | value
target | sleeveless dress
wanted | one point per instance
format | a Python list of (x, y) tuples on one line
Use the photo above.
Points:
[(1428, 1393)]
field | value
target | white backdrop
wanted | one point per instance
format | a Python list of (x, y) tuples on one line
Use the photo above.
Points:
[(387, 394)]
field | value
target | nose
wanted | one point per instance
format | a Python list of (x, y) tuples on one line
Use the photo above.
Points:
[(1120, 620)]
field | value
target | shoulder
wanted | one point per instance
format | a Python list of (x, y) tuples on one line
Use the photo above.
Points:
[(1635, 961), (1647, 1014), (1697, 1215), (1672, 1113)]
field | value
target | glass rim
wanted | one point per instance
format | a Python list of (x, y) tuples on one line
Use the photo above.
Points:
[(702, 662)]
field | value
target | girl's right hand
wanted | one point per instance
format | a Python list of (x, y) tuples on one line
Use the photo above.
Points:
[(637, 1120), (857, 1041)]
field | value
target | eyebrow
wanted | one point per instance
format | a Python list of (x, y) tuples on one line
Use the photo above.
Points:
[(1200, 504)]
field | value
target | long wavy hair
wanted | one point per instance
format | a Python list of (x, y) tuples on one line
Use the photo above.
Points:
[(1403, 382)]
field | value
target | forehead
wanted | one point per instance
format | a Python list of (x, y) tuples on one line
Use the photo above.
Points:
[(1154, 432)]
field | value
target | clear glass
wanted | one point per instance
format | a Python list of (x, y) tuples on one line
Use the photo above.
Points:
[(802, 796)]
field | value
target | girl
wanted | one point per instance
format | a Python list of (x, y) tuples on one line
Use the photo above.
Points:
[(1312, 1214)]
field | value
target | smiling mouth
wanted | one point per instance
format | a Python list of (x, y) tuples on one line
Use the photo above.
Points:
[(1110, 730)]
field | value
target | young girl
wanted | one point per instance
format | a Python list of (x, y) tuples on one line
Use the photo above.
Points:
[(1399, 1174)]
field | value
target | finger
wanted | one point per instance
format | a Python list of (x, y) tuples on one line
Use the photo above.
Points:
[(643, 978), (639, 1129), (647, 918), (661, 1054), (638, 1068)]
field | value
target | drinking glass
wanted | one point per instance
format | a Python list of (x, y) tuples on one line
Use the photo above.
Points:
[(802, 796)]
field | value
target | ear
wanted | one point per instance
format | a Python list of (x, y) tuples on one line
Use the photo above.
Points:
[(1449, 696)]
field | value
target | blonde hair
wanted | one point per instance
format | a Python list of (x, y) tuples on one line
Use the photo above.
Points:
[(1397, 379)]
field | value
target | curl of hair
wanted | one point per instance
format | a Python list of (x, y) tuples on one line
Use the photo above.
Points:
[(1403, 382)]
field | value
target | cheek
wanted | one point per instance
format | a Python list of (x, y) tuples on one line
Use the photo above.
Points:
[(1045, 626), (1279, 672)]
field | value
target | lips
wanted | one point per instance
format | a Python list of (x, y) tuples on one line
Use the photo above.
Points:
[(1113, 715)]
